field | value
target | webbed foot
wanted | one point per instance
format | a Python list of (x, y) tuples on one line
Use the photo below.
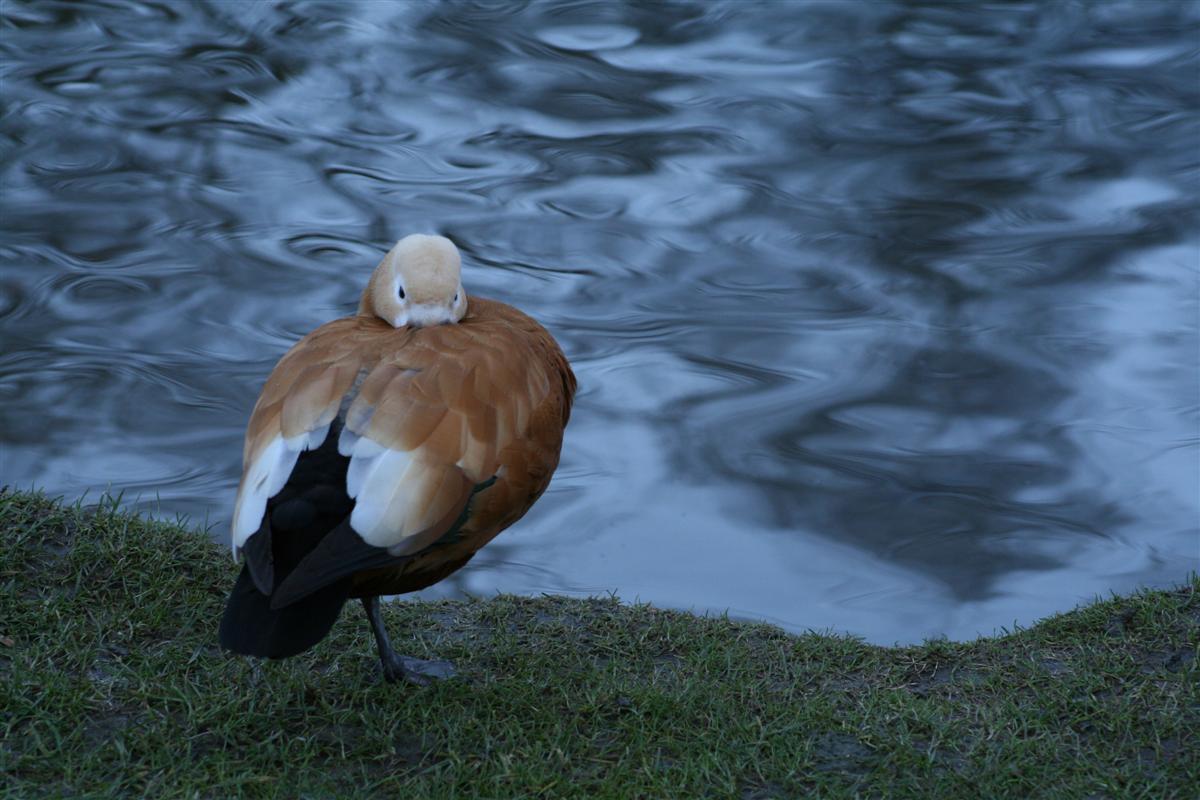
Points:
[(415, 670), (398, 667)]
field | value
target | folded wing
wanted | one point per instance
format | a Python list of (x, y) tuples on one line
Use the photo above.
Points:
[(425, 415)]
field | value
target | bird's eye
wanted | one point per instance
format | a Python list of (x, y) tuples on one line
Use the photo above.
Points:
[(456, 297), (401, 290)]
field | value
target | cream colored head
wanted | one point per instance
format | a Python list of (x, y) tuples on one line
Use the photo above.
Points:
[(419, 282)]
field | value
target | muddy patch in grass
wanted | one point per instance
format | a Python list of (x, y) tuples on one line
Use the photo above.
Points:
[(840, 752), (1180, 659), (943, 680), (102, 730), (764, 791)]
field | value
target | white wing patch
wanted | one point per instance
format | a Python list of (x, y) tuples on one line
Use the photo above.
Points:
[(365, 457), (380, 494), (400, 496), (265, 478), (395, 491)]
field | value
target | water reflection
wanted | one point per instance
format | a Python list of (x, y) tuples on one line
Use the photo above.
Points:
[(885, 314)]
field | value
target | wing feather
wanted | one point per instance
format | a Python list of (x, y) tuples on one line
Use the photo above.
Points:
[(429, 413), (306, 402)]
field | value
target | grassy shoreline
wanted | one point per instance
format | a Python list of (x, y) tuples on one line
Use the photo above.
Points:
[(111, 685)]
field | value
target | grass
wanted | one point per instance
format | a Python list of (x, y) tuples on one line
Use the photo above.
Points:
[(111, 685)]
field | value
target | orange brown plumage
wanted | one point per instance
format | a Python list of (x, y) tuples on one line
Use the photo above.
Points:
[(446, 431)]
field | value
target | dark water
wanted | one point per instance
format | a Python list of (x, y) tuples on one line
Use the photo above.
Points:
[(885, 314)]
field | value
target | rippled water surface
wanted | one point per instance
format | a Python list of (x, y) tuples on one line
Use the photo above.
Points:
[(885, 314)]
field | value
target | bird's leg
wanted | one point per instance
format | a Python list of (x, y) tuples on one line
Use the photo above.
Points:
[(397, 667)]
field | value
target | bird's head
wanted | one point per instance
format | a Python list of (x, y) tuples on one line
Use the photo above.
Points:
[(419, 282)]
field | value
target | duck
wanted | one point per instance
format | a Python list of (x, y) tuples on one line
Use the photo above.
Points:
[(385, 449)]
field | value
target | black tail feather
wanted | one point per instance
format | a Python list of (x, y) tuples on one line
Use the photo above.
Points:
[(251, 627), (311, 505), (340, 552)]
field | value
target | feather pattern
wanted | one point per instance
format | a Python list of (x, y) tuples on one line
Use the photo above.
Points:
[(428, 415)]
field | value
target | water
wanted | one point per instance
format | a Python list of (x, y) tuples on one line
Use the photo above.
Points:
[(885, 314)]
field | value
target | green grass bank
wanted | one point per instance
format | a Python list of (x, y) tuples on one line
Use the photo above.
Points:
[(111, 685)]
